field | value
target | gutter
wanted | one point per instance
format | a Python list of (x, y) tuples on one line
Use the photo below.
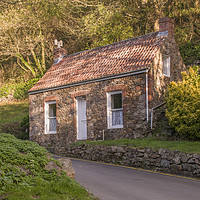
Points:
[(114, 76), (158, 106)]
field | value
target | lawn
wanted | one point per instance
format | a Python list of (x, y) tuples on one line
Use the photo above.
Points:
[(154, 143), (13, 111)]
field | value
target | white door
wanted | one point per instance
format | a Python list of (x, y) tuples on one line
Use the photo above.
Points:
[(81, 119)]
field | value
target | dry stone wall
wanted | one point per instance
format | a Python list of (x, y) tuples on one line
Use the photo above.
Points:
[(161, 160)]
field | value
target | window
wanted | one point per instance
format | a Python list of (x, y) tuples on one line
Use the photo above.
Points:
[(114, 110), (166, 66), (50, 117)]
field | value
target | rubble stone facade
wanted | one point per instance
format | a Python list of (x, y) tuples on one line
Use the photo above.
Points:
[(134, 111)]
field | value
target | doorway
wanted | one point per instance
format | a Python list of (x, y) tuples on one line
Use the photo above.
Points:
[(81, 118)]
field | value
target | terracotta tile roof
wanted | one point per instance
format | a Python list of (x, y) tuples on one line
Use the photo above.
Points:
[(124, 56)]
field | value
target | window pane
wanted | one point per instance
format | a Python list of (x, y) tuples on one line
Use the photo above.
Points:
[(166, 66), (52, 124), (116, 101), (117, 117), (52, 110)]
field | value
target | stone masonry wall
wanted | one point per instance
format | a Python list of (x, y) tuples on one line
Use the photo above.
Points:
[(157, 81), (134, 111), (158, 160)]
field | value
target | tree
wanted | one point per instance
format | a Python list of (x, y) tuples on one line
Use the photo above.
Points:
[(28, 29), (183, 105)]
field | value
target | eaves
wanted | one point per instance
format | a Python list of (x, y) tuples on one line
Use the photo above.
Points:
[(113, 76)]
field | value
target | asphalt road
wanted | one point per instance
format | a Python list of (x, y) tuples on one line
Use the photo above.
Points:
[(119, 183)]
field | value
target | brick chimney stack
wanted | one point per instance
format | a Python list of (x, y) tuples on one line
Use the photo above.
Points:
[(58, 54), (167, 24)]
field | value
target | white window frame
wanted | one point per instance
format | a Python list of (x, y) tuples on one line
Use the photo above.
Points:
[(110, 110), (47, 117), (166, 65)]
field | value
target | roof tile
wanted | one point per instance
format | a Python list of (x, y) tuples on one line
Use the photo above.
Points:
[(125, 56)]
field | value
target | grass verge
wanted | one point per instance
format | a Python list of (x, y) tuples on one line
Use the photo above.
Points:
[(154, 143), (14, 118), (13, 111)]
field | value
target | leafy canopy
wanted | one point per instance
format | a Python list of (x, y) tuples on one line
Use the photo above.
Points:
[(183, 105)]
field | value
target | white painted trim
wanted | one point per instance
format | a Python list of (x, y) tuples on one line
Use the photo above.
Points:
[(147, 97), (46, 117), (168, 66), (77, 120), (114, 76), (109, 110)]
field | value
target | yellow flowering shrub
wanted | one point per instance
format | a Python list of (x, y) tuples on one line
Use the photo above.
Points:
[(183, 105)]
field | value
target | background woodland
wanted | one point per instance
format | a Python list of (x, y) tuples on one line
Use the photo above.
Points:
[(28, 29)]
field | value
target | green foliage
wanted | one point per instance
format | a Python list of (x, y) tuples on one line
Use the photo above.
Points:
[(20, 161), (24, 128), (25, 121), (183, 105), (106, 25), (27, 42), (13, 112), (6, 90), (190, 52), (14, 118), (22, 88), (18, 90), (23, 174)]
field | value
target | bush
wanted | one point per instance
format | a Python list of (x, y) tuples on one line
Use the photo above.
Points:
[(190, 52), (183, 105), (22, 88), (6, 90), (19, 90)]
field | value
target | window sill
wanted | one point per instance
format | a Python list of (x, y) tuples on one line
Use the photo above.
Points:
[(50, 133), (116, 127), (166, 75)]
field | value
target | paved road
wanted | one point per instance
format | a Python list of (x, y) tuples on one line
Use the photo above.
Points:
[(118, 183)]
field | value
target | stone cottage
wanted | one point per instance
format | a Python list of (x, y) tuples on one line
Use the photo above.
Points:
[(106, 92)]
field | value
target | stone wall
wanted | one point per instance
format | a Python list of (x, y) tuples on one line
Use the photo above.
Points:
[(158, 160), (134, 111), (157, 81)]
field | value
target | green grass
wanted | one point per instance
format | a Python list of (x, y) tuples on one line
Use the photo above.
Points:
[(14, 118), (65, 189), (13, 111), (154, 143), (23, 175)]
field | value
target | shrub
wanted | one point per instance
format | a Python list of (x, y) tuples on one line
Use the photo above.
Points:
[(19, 90), (190, 52), (183, 105), (22, 88), (6, 90)]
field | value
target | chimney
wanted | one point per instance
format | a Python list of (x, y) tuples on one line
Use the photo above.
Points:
[(167, 24), (59, 52)]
